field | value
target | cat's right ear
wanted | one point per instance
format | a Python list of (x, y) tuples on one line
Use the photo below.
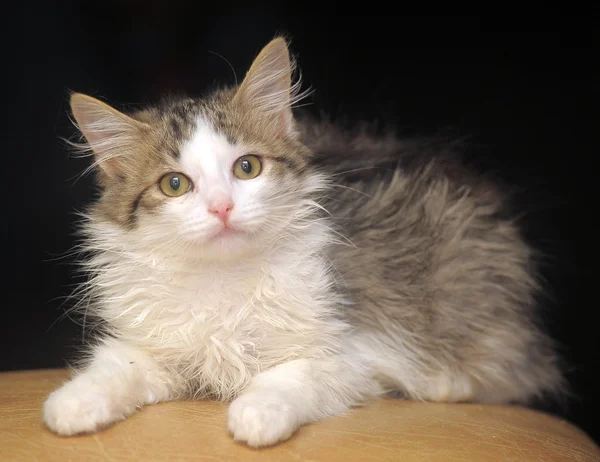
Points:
[(111, 135)]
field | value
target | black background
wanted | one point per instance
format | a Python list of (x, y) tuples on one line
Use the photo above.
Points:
[(522, 90)]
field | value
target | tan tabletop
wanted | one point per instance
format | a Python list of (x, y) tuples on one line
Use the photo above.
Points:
[(386, 430)]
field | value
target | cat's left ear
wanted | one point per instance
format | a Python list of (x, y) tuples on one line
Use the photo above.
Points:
[(267, 89)]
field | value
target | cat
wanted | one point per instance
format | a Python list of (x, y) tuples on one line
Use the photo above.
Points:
[(243, 253)]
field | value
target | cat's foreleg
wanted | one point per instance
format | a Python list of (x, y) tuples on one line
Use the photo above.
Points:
[(283, 398), (118, 380)]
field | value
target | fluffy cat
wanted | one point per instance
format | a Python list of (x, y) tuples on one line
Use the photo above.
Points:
[(240, 253)]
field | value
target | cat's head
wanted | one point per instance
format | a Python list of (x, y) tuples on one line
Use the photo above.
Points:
[(220, 176)]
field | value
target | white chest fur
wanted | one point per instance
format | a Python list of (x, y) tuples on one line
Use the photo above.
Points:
[(216, 326)]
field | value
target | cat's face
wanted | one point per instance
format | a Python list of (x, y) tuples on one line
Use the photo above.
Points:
[(225, 192), (217, 178)]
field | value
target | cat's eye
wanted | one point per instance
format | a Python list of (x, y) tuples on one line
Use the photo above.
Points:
[(174, 184), (247, 167)]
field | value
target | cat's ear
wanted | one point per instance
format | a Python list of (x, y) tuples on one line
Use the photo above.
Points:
[(267, 89), (111, 135)]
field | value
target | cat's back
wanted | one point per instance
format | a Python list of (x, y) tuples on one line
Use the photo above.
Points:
[(380, 181), (436, 262), (416, 216)]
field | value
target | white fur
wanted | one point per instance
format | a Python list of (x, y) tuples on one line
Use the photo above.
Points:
[(119, 378), (203, 315), (281, 399)]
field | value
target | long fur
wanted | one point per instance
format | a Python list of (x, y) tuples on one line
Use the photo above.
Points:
[(367, 265)]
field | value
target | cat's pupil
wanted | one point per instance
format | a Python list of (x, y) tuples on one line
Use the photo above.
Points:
[(246, 166), (175, 182)]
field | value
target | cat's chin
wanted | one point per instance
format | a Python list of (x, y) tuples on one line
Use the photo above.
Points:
[(226, 233), (228, 244), (228, 236)]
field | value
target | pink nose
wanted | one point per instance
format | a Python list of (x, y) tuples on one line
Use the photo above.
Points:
[(221, 209)]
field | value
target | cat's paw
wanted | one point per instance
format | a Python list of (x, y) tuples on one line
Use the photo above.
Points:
[(262, 419), (78, 408)]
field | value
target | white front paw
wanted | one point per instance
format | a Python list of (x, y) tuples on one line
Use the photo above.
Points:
[(79, 408), (262, 419)]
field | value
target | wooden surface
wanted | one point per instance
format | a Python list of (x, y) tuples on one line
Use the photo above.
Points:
[(387, 430)]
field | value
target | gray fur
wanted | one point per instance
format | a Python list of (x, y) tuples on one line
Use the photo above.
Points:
[(436, 265)]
